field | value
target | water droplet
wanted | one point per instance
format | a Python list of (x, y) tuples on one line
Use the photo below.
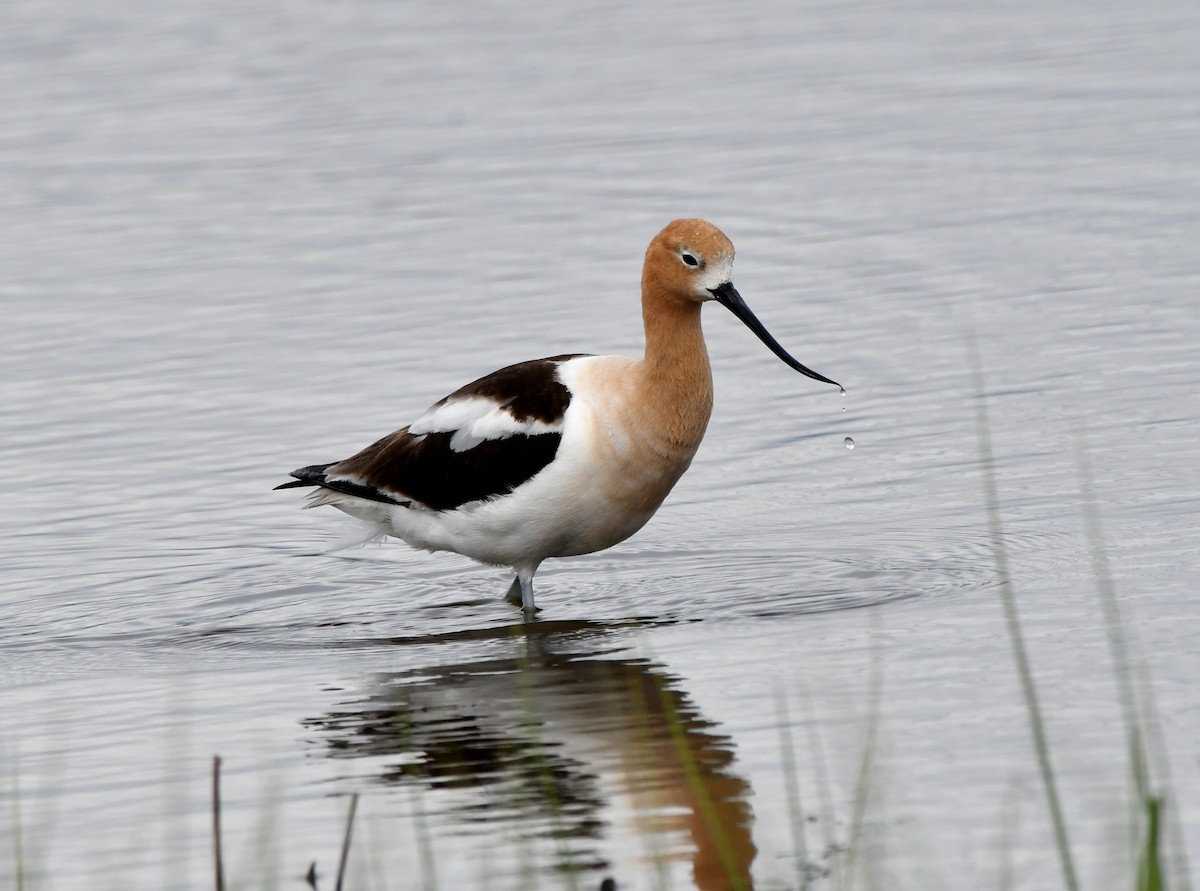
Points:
[(849, 442), (843, 390)]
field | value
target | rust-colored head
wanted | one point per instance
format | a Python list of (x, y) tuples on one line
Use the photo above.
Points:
[(688, 259), (690, 262)]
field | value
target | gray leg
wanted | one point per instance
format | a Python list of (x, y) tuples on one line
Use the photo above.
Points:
[(514, 592), (520, 592)]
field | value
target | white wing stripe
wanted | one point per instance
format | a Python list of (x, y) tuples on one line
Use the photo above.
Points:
[(476, 419)]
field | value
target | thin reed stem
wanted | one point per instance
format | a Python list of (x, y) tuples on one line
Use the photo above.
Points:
[(862, 792), (429, 879), (1131, 711), (218, 865), (18, 851), (824, 788), (640, 709), (791, 788), (545, 771), (704, 802), (345, 854), (1012, 620), (1152, 818)]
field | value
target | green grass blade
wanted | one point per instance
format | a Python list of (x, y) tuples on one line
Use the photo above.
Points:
[(1012, 621), (700, 794), (1137, 705), (1150, 876)]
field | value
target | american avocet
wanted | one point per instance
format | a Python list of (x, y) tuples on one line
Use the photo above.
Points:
[(559, 456)]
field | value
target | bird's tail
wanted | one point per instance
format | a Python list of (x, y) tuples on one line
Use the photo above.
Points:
[(313, 475), (368, 527)]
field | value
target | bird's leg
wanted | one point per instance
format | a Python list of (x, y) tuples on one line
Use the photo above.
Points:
[(520, 592), (514, 592)]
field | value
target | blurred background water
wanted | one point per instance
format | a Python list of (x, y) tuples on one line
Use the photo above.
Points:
[(236, 239)]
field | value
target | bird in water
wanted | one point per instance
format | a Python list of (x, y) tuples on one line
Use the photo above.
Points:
[(559, 456)]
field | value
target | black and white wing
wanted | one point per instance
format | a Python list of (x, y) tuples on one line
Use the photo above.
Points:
[(482, 441)]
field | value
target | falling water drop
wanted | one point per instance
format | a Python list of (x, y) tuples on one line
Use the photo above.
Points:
[(849, 442)]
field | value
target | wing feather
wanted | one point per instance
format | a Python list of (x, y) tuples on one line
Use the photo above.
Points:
[(481, 441)]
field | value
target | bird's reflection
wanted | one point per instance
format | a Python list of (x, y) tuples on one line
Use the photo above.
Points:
[(544, 741)]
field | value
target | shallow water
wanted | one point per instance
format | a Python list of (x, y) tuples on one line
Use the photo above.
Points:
[(239, 240)]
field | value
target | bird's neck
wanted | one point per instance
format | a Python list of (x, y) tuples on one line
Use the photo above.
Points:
[(675, 368)]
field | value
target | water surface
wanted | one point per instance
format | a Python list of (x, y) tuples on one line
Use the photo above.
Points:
[(237, 240)]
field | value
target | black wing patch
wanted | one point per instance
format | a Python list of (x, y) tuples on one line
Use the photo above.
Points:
[(531, 391), (403, 467), (425, 468)]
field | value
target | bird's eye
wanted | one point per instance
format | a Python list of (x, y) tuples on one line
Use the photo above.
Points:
[(689, 260)]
